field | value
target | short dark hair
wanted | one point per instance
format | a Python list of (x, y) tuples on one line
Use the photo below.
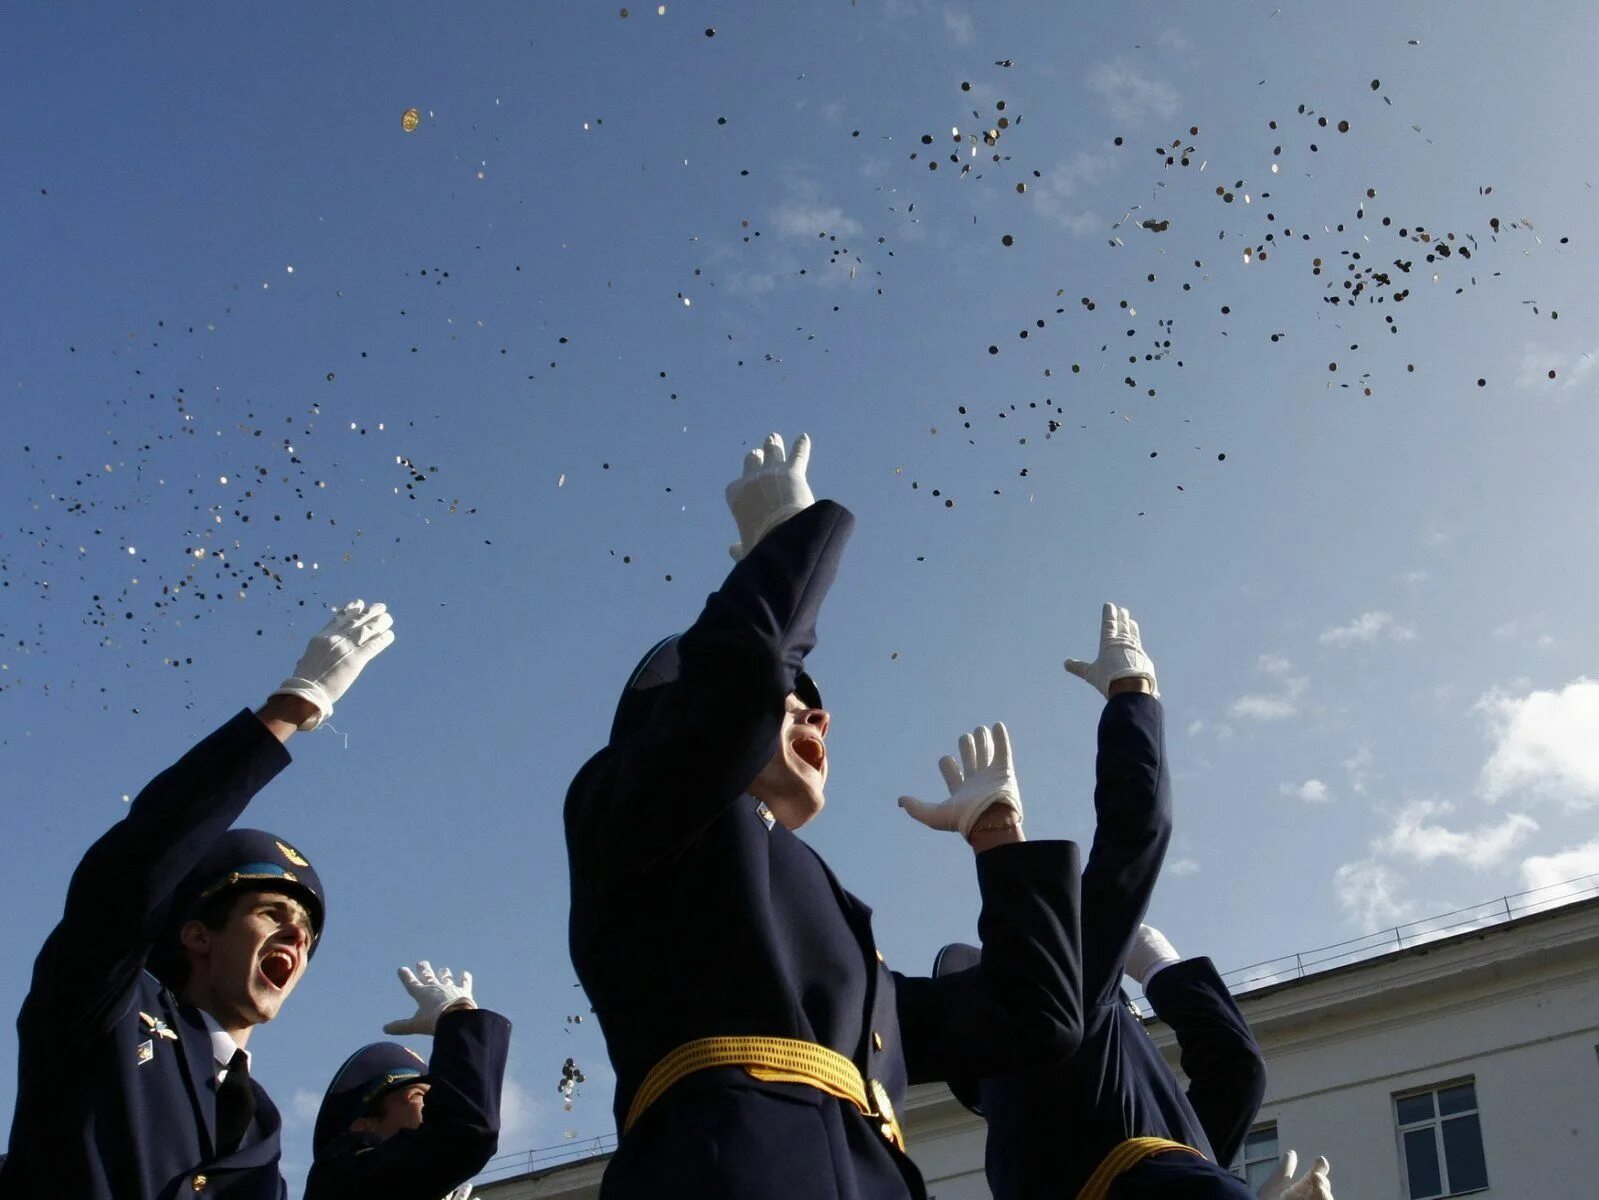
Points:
[(168, 960)]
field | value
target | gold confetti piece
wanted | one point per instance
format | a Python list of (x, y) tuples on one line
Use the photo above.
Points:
[(410, 119)]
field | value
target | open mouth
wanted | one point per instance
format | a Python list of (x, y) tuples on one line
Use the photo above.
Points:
[(278, 967), (810, 751)]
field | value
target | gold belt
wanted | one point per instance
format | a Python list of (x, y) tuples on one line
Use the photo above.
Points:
[(1123, 1158), (772, 1060)]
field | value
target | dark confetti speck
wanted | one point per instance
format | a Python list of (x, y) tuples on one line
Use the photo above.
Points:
[(1482, 383), (1007, 240), (993, 349), (710, 32)]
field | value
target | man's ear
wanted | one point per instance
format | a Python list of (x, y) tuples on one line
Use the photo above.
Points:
[(195, 937), (364, 1125)]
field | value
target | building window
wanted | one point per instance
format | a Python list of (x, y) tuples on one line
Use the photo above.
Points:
[(1440, 1141), (1257, 1157)]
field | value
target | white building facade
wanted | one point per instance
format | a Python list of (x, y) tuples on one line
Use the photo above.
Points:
[(1466, 1065)]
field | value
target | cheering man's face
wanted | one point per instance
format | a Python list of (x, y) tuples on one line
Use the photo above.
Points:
[(793, 782)]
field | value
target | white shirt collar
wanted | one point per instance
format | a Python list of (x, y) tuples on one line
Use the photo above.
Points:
[(223, 1047)]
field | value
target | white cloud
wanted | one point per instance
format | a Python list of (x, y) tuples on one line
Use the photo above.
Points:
[(1195, 727), (1547, 870), (1367, 627), (1173, 40), (1181, 866), (1414, 578), (1545, 744), (303, 1107), (1416, 836), (1369, 893), (1272, 706), (1312, 791), (1570, 368), (1263, 708), (519, 1114), (1526, 631), (1358, 767), (1050, 192), (797, 219), (1129, 94), (958, 24)]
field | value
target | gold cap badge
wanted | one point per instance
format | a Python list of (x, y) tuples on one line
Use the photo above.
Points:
[(293, 855)]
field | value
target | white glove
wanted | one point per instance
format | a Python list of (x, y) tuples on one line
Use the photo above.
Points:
[(464, 1192), (1312, 1185), (1150, 952), (356, 635), (984, 776), (770, 491), (1121, 654), (433, 994)]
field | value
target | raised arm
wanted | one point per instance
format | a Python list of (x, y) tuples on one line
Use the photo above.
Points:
[(1022, 1004), (710, 731), (1132, 803), (460, 1129), (1225, 1069), (118, 900)]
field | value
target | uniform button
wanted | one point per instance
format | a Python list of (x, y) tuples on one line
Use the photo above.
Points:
[(877, 1039), (198, 1183)]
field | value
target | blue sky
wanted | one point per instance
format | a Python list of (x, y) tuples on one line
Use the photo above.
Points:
[(240, 299)]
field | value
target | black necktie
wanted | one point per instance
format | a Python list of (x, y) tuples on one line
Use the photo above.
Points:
[(235, 1105)]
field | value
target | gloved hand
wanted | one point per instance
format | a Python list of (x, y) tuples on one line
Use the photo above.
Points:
[(984, 776), (1312, 1185), (1150, 952), (464, 1192), (1121, 654), (433, 994), (354, 637), (770, 491)]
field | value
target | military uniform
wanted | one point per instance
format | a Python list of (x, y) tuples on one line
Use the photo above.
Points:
[(759, 1041), (1112, 1120), (460, 1128), (116, 1088)]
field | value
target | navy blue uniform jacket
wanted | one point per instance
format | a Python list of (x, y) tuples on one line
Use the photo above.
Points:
[(693, 917), (109, 1105), (460, 1128), (1049, 1129)]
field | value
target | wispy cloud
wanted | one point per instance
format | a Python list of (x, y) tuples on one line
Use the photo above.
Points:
[(1357, 767), (1416, 835), (1064, 180), (1525, 631), (1278, 705), (1312, 791), (1368, 627), (1544, 744), (1571, 369), (1370, 893), (1181, 866), (303, 1107), (1130, 95), (1546, 870), (797, 219), (1172, 39), (958, 24)]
